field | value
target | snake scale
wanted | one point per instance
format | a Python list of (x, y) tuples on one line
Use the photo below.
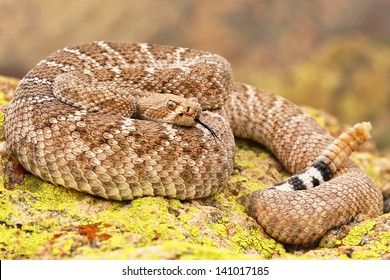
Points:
[(122, 121)]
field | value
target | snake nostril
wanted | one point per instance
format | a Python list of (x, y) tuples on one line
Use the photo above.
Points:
[(191, 111)]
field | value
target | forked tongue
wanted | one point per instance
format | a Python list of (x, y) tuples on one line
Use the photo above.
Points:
[(208, 128)]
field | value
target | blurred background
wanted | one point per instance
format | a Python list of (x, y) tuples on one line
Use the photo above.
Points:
[(329, 54)]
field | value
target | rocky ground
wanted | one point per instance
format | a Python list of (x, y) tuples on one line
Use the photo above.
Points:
[(42, 221)]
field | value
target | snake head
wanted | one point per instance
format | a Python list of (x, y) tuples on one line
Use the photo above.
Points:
[(169, 108), (173, 109), (183, 111)]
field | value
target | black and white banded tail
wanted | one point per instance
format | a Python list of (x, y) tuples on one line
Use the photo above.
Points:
[(330, 160)]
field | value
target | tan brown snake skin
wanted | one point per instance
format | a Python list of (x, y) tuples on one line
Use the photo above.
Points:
[(75, 130)]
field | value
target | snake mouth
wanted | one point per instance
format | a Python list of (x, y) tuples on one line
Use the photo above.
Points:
[(208, 128)]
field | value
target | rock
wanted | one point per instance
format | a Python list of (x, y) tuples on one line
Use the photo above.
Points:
[(41, 221)]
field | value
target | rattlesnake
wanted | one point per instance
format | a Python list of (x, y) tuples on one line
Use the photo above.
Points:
[(122, 121)]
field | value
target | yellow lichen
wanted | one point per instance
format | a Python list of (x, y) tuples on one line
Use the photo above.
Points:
[(7, 211), (148, 216), (265, 246), (219, 229), (240, 240), (195, 252), (356, 234), (21, 242), (365, 255), (244, 240), (45, 196), (208, 242), (253, 185)]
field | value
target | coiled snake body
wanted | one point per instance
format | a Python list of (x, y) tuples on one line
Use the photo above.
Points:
[(123, 121)]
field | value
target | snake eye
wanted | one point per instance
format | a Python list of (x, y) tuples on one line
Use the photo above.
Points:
[(171, 105)]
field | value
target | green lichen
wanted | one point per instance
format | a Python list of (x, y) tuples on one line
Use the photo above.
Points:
[(18, 243), (381, 246), (266, 247), (177, 250), (44, 196), (250, 156), (218, 224), (240, 241), (176, 204), (207, 242), (188, 251), (248, 161), (65, 248), (122, 227), (21, 236), (244, 240), (185, 218), (367, 240), (193, 231), (365, 255), (7, 210), (386, 237), (356, 234), (252, 184), (148, 216)]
